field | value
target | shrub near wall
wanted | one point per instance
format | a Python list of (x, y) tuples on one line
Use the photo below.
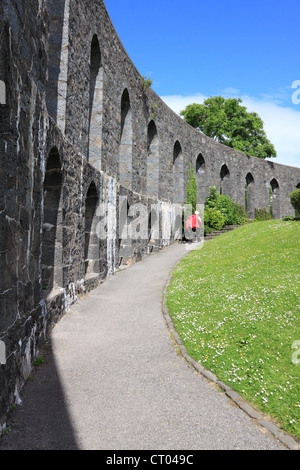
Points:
[(213, 220), (220, 210), (262, 214)]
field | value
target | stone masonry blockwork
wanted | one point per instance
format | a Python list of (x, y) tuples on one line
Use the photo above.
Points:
[(83, 139)]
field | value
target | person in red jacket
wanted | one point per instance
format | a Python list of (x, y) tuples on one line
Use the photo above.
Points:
[(193, 225)]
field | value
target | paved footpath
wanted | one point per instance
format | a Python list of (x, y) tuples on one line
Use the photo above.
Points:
[(113, 379)]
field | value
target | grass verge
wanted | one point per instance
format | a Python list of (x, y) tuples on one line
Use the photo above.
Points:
[(236, 305)]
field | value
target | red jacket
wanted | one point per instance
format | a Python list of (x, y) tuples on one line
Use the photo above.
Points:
[(193, 221)]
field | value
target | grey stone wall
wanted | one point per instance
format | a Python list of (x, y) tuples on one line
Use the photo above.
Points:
[(82, 138)]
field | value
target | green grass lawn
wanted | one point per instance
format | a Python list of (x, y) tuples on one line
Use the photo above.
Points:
[(236, 306)]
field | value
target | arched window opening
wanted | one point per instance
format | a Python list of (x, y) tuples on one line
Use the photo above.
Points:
[(224, 173), (125, 242), (224, 180), (249, 196), (153, 224), (152, 134), (177, 228), (200, 178), (297, 213), (178, 176), (91, 241), (177, 151), (249, 179), (274, 199), (52, 243), (57, 85), (95, 105), (125, 156), (200, 164), (152, 161)]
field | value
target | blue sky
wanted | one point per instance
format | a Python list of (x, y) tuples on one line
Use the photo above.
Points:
[(193, 49)]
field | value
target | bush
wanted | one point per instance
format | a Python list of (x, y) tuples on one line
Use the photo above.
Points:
[(262, 214), (233, 213), (213, 220), (212, 198), (295, 201), (242, 217)]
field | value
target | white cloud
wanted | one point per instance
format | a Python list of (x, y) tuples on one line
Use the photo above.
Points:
[(178, 102), (282, 124)]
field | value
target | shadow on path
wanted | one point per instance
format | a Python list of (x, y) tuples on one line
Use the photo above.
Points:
[(42, 421)]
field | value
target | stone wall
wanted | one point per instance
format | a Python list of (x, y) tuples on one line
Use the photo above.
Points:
[(84, 139)]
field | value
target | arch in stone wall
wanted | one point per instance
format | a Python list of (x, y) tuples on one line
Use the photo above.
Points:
[(200, 164), (275, 198), (200, 177), (225, 180), (152, 160), (125, 242), (250, 196), (58, 56), (91, 241), (178, 174), (52, 234), (153, 228), (125, 151), (95, 105)]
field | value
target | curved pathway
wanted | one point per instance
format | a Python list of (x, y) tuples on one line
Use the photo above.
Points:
[(114, 379)]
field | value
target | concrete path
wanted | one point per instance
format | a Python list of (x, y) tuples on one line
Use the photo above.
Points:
[(114, 380)]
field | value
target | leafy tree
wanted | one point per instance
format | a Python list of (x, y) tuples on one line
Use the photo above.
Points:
[(212, 198), (228, 122)]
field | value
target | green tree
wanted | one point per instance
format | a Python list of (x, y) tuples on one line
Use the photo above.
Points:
[(191, 189), (228, 122)]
